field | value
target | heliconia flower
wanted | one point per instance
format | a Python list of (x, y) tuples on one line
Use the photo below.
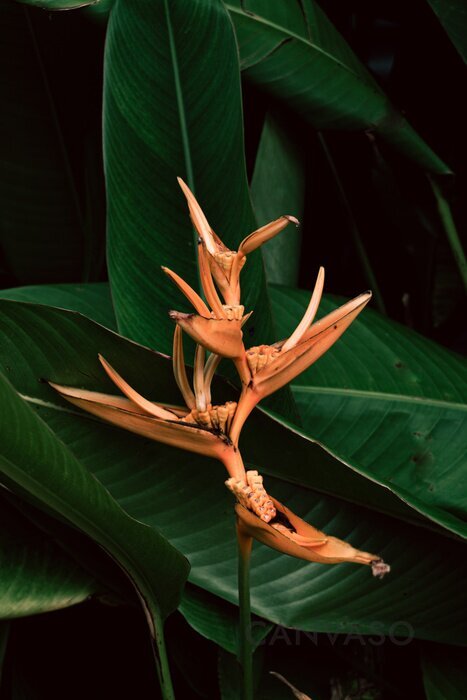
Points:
[(225, 264), (273, 366), (199, 427), (289, 534)]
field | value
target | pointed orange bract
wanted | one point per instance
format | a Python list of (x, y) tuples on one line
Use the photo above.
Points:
[(273, 366), (299, 539), (224, 264)]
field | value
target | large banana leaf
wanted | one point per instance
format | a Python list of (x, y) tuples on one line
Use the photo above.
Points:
[(37, 576), (40, 220), (184, 497), (392, 404), (91, 299), (278, 187), (291, 50), (74, 343), (172, 108), (36, 462)]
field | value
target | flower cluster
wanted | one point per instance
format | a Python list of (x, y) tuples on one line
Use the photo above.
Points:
[(206, 428)]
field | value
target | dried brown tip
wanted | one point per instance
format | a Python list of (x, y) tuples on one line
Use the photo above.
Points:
[(380, 568)]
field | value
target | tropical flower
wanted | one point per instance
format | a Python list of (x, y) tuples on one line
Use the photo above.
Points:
[(199, 426), (287, 533), (225, 264), (214, 430)]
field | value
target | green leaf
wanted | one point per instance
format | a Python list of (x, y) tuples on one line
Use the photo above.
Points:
[(39, 464), (92, 299), (444, 671), (37, 575), (217, 620), (391, 404), (40, 219), (64, 346), (453, 16), (278, 187), (172, 108), (183, 496), (58, 4), (292, 51)]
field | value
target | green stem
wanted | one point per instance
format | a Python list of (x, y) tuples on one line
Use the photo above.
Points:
[(447, 220), (162, 662), (244, 644)]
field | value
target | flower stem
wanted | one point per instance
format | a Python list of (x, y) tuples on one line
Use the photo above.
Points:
[(244, 643)]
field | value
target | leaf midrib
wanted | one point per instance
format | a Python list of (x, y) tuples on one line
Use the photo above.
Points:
[(379, 396), (180, 100)]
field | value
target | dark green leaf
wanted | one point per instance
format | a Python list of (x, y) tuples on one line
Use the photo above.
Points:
[(40, 219), (292, 51), (58, 4), (278, 187), (453, 16), (37, 576), (172, 107), (391, 404), (64, 347), (444, 671), (92, 299), (39, 464), (218, 620), (183, 496)]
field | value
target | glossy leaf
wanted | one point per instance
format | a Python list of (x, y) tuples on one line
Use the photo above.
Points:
[(91, 299), (172, 108), (187, 501), (390, 403), (40, 218), (32, 458), (218, 620), (64, 347), (278, 187), (453, 16), (184, 497), (292, 51), (37, 575), (444, 671), (59, 4)]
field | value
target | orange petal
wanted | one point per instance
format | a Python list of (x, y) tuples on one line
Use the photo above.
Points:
[(179, 370), (309, 315), (174, 433), (222, 337), (209, 371), (333, 551), (208, 285), (356, 304), (132, 394), (205, 232), (265, 233), (287, 365), (192, 296)]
